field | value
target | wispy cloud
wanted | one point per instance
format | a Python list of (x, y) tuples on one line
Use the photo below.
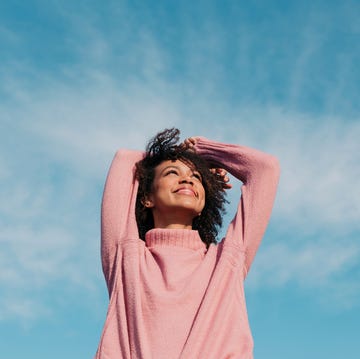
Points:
[(60, 131), (326, 268), (314, 237), (75, 131), (319, 156)]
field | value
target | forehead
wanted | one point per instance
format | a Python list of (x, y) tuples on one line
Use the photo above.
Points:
[(180, 164)]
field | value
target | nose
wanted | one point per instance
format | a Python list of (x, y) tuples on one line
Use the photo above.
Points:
[(186, 179)]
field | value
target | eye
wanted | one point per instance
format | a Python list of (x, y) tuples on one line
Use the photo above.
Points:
[(172, 171), (197, 176)]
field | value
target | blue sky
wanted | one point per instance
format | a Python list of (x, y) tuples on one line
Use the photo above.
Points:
[(80, 79)]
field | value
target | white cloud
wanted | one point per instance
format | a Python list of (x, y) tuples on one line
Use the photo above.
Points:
[(81, 128), (309, 263), (320, 172), (327, 269), (320, 162), (72, 127), (46, 240), (4, 169), (24, 309)]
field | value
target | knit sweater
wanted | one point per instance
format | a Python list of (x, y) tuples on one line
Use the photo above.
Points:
[(170, 296)]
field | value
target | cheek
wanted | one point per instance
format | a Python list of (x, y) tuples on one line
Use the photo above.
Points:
[(203, 197), (161, 186), (160, 189)]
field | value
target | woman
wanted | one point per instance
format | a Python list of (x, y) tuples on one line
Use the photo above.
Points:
[(174, 291)]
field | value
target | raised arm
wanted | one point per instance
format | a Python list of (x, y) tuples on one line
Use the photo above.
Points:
[(259, 173), (118, 208)]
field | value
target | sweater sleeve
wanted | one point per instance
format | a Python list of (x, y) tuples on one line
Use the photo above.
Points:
[(118, 219), (259, 173)]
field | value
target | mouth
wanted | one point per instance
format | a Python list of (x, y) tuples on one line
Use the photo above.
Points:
[(186, 191)]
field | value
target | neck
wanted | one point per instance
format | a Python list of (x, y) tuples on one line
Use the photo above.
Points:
[(172, 222), (173, 226)]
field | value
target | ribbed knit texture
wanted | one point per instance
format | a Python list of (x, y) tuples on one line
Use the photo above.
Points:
[(170, 297), (174, 237)]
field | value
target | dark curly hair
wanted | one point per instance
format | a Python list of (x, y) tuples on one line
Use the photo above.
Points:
[(164, 146)]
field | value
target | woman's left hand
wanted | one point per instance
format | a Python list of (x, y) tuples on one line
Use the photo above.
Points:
[(222, 177)]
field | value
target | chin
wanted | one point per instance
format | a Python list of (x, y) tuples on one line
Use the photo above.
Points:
[(193, 212)]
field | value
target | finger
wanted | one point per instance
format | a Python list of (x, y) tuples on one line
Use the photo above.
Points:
[(216, 170), (221, 171), (189, 142)]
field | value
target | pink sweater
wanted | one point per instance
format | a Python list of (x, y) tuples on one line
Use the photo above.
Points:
[(170, 297)]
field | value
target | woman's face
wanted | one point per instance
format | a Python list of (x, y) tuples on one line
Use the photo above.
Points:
[(177, 191)]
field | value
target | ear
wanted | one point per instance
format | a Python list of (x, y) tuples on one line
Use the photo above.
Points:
[(147, 202)]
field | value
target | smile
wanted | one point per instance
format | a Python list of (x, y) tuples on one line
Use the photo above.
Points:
[(186, 191)]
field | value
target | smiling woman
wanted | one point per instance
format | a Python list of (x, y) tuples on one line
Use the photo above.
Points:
[(186, 170), (177, 196), (175, 292)]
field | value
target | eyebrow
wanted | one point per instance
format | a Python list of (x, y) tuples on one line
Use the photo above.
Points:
[(170, 166), (178, 168)]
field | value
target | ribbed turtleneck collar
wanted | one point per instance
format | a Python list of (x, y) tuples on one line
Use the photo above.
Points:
[(185, 238)]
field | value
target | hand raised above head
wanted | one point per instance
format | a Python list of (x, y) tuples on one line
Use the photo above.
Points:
[(222, 176), (189, 143)]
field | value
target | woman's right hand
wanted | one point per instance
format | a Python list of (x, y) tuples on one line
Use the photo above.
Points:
[(189, 143), (220, 173)]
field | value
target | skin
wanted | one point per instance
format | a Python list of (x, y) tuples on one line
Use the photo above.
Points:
[(178, 195), (190, 143)]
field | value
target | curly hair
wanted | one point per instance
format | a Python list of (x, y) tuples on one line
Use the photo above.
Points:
[(162, 147)]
